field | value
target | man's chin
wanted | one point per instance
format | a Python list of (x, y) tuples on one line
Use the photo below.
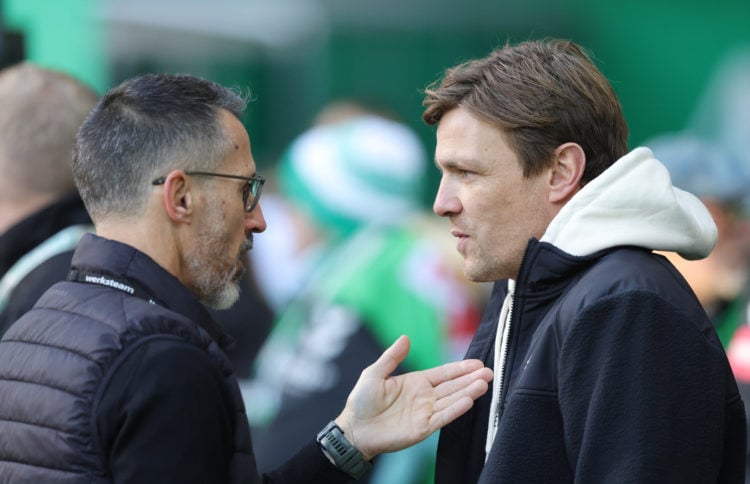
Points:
[(475, 273), (224, 299)]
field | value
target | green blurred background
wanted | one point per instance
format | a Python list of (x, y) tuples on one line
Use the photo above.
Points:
[(295, 56)]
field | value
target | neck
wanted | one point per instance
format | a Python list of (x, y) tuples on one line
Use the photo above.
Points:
[(153, 239)]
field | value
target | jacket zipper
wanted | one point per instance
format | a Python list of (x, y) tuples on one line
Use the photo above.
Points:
[(503, 359), (506, 345)]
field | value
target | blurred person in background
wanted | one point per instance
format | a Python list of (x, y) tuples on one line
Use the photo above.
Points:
[(607, 368), (117, 374), (373, 266), (41, 215), (720, 180), (289, 249)]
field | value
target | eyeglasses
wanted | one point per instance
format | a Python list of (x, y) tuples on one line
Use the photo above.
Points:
[(250, 192)]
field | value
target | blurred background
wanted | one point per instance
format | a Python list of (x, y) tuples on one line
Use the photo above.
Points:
[(296, 56)]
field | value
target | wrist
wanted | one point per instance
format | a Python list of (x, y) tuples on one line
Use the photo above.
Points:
[(342, 452), (347, 425)]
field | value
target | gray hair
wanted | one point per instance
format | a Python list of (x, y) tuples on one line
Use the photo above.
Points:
[(143, 129), (41, 112)]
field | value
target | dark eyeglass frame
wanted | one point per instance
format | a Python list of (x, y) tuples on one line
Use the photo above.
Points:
[(254, 185)]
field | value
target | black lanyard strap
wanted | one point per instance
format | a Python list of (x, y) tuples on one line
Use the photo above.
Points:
[(124, 285)]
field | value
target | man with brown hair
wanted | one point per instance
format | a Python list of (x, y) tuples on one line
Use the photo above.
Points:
[(607, 369)]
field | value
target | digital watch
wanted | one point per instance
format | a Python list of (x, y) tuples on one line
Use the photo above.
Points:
[(345, 456)]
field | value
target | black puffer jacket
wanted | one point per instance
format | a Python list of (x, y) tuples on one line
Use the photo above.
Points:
[(122, 379)]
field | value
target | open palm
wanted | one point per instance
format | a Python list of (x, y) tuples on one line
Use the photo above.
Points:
[(387, 413)]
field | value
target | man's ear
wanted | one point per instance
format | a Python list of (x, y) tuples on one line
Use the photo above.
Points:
[(567, 170), (178, 202)]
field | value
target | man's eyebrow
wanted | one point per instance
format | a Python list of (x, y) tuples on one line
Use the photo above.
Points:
[(449, 164)]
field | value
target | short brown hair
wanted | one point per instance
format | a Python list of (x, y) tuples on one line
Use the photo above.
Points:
[(542, 94)]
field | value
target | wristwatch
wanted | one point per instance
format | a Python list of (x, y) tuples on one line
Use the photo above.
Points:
[(345, 456)]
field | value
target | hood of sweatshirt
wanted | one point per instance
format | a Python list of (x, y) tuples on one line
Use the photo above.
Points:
[(634, 203)]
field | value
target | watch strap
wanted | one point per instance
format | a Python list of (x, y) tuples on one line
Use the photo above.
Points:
[(345, 456)]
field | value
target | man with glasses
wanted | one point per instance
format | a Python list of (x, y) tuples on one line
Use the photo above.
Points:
[(117, 374)]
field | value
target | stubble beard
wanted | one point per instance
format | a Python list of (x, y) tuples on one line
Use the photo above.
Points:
[(482, 268), (216, 285)]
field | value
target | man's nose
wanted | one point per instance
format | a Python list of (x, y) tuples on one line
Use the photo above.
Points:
[(255, 222)]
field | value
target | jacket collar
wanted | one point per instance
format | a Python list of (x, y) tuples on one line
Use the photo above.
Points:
[(123, 263)]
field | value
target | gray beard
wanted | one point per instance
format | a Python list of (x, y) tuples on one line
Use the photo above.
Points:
[(225, 298), (217, 289)]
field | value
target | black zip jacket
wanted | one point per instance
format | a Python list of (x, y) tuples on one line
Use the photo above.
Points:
[(613, 374)]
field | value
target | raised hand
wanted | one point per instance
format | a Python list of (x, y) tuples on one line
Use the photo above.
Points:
[(386, 414)]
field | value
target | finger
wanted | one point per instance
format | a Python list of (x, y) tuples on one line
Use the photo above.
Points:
[(457, 384), (450, 371), (390, 359), (472, 389), (447, 415)]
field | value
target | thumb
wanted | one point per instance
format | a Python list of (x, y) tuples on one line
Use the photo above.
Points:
[(390, 359)]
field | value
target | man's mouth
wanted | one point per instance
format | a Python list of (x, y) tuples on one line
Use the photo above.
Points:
[(246, 245), (458, 234), (462, 238)]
